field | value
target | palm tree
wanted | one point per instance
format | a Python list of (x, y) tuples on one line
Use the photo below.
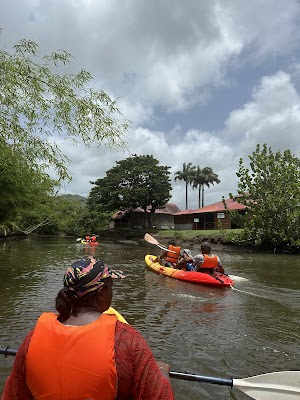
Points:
[(198, 182), (209, 179), (187, 175)]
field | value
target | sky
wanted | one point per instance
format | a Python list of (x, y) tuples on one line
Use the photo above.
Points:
[(203, 81)]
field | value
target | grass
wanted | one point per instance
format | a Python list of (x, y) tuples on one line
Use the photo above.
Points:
[(222, 236)]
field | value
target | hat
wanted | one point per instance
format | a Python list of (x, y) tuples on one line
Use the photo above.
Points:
[(187, 251), (87, 274)]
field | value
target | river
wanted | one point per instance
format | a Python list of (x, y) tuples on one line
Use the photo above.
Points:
[(250, 330)]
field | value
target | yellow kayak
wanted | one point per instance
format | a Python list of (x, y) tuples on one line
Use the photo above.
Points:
[(112, 311)]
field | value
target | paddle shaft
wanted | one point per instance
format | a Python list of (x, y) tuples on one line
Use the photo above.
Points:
[(201, 378), (177, 375), (8, 352)]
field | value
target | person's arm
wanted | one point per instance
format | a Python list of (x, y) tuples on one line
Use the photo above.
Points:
[(220, 267), (198, 260), (138, 372), (162, 256), (15, 386)]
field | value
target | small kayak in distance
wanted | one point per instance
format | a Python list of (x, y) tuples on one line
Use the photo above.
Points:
[(89, 243), (216, 279)]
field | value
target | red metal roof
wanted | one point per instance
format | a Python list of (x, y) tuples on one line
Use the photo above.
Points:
[(215, 207)]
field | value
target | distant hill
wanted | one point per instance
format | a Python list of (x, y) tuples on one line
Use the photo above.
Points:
[(74, 197)]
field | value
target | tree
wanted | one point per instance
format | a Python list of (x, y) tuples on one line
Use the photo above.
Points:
[(209, 178), (187, 175), (137, 181), (22, 186), (37, 103), (270, 189)]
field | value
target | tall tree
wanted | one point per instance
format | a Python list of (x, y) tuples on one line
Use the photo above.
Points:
[(39, 103), (187, 175), (209, 178), (198, 181), (202, 177), (137, 181), (270, 188)]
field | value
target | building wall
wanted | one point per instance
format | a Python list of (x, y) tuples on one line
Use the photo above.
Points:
[(206, 221), (184, 227), (160, 221)]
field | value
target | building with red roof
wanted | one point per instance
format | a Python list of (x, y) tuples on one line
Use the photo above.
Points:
[(213, 216)]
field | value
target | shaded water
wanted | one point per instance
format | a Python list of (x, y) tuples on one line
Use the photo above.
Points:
[(204, 330)]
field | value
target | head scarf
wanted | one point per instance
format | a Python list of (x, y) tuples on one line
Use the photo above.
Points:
[(86, 275)]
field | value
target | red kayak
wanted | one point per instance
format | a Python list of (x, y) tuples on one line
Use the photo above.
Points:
[(215, 279)]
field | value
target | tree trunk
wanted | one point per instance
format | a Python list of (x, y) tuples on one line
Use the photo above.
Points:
[(150, 220), (186, 196), (199, 197), (202, 195)]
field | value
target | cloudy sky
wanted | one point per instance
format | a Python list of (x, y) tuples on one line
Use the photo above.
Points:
[(203, 81)]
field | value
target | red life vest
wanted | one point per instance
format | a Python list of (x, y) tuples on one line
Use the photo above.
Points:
[(209, 262), (172, 257), (72, 362), (93, 239)]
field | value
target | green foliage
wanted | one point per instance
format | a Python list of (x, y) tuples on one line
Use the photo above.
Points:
[(40, 106), (22, 186), (38, 103), (138, 181), (270, 189), (93, 221)]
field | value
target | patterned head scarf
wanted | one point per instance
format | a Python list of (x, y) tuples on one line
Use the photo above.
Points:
[(86, 275)]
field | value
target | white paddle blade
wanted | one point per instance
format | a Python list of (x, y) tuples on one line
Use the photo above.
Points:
[(284, 385), (78, 239)]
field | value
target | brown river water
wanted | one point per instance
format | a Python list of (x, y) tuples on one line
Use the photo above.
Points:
[(250, 330)]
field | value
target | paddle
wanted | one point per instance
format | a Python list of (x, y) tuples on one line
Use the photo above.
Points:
[(284, 385), (8, 352), (78, 239), (152, 240)]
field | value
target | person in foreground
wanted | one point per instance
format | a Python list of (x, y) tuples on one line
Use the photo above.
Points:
[(207, 262), (82, 353)]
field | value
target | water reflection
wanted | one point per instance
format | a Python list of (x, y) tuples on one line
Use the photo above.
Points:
[(212, 331)]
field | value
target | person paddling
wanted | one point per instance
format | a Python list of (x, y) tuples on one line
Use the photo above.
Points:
[(82, 353), (171, 255), (207, 262)]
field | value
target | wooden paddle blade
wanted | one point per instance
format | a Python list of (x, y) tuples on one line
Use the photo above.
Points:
[(284, 385), (150, 239)]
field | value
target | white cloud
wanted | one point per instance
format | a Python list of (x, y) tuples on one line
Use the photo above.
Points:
[(166, 61), (272, 117)]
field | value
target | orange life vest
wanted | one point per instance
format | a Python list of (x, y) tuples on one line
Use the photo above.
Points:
[(72, 362), (209, 262), (172, 257), (93, 239), (87, 238)]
